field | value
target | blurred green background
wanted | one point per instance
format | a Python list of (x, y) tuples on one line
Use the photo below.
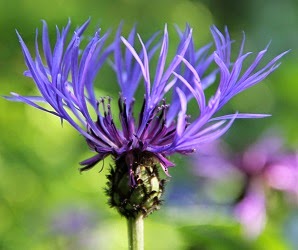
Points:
[(45, 203)]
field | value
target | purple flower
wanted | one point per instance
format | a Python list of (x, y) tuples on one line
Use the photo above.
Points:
[(251, 212), (65, 80), (263, 167)]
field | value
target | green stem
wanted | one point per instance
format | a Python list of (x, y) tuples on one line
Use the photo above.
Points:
[(135, 228)]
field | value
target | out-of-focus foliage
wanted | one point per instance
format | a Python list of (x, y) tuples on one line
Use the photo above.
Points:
[(39, 181)]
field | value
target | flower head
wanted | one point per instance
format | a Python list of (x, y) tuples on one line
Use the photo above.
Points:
[(263, 167), (65, 80)]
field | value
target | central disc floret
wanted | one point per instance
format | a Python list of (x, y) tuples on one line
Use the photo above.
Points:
[(135, 190)]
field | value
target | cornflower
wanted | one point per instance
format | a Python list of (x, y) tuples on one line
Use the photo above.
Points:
[(65, 80)]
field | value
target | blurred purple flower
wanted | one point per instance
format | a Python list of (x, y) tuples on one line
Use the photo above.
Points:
[(251, 212), (71, 227), (263, 167), (65, 80), (71, 221)]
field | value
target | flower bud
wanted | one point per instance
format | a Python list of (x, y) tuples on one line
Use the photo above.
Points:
[(134, 186)]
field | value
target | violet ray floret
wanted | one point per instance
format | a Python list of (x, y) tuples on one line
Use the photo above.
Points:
[(65, 77)]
